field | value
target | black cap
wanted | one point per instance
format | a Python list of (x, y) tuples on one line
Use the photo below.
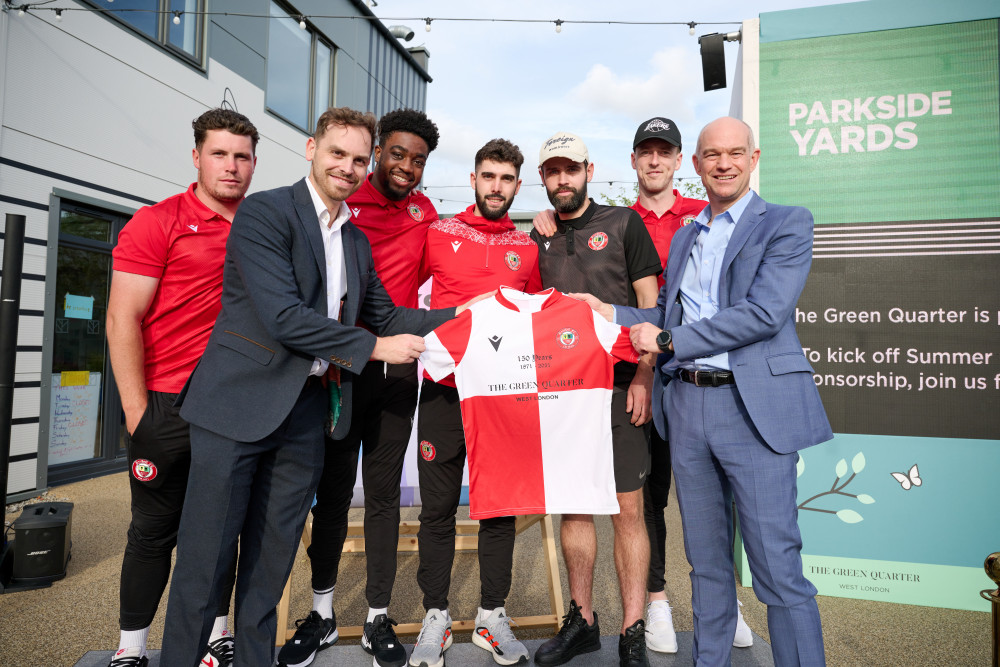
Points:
[(658, 128)]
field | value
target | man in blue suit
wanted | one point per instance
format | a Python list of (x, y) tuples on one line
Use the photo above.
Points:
[(738, 396), (298, 275)]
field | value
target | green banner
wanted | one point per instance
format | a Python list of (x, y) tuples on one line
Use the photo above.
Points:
[(883, 126)]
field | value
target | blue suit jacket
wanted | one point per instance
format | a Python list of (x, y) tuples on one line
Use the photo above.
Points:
[(274, 321), (764, 270)]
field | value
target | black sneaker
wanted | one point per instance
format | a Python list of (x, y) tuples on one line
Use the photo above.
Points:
[(312, 634), (379, 639), (220, 652), (632, 646), (575, 637)]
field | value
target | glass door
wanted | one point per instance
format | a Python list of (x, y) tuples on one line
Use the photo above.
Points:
[(86, 431)]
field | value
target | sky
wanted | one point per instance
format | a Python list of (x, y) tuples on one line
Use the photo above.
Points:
[(524, 82)]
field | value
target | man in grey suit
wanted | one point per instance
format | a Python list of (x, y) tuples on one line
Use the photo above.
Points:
[(297, 277), (738, 395)]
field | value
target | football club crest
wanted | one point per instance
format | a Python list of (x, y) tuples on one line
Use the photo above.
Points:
[(687, 221), (144, 470), (427, 450), (598, 241), (415, 212), (568, 338), (513, 260)]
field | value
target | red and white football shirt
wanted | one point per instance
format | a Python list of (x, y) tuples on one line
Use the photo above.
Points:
[(534, 374)]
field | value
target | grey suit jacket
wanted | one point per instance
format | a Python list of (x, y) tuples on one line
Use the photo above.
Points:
[(274, 319), (764, 270)]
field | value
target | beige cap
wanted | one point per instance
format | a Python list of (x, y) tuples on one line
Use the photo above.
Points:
[(563, 144)]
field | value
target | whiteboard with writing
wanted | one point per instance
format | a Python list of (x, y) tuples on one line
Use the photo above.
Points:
[(73, 423)]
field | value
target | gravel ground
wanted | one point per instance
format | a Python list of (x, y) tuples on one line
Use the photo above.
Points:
[(57, 625)]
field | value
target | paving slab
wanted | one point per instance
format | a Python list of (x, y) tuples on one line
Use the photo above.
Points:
[(465, 654)]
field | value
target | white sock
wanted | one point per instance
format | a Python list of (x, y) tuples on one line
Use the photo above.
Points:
[(373, 612), (134, 639), (220, 628), (323, 602)]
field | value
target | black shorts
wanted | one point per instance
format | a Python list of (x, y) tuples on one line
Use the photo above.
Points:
[(631, 444)]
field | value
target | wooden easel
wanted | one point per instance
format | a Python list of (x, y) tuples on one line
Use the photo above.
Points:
[(466, 539)]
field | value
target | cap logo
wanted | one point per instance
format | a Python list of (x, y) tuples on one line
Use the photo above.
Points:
[(562, 141), (657, 125)]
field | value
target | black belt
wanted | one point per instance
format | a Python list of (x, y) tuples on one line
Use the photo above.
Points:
[(707, 378)]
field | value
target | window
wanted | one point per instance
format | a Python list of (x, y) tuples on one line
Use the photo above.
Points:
[(300, 68), (155, 19)]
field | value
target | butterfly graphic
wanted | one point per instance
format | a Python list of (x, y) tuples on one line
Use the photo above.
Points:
[(909, 479)]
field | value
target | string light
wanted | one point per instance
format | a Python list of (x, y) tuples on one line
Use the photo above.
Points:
[(24, 8)]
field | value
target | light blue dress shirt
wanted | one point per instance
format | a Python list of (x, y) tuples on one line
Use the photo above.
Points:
[(699, 292)]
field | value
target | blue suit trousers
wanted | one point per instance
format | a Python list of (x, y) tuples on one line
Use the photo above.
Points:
[(718, 456)]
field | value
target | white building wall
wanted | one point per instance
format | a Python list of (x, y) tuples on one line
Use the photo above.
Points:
[(95, 107)]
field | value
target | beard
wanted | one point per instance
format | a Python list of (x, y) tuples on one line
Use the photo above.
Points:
[(223, 192), (335, 192), (483, 204), (567, 204)]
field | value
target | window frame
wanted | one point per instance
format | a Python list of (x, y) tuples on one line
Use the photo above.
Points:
[(162, 37), (317, 39)]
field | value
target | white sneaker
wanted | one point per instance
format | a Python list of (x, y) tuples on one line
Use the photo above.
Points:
[(493, 634), (660, 635), (743, 637), (433, 640)]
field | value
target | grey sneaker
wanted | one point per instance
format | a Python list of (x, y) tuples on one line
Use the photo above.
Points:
[(433, 640), (493, 633)]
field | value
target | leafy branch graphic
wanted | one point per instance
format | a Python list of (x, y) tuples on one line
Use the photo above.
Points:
[(837, 489)]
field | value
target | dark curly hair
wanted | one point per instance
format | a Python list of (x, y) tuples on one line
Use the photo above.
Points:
[(223, 119), (408, 120), (500, 150)]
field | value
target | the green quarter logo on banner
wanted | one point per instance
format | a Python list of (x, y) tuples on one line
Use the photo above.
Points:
[(889, 125)]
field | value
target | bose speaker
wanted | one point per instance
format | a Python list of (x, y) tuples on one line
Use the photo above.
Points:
[(42, 542), (713, 60)]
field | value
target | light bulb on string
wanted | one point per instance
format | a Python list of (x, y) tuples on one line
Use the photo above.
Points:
[(559, 25), (427, 25), (302, 22), (691, 26), (59, 15), (177, 18)]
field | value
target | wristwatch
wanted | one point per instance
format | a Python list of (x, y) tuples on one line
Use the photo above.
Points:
[(663, 340)]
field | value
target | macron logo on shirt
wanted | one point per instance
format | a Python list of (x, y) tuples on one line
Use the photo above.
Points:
[(455, 245), (356, 211), (193, 228)]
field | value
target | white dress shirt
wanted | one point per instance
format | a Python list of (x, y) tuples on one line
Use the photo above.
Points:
[(336, 267)]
